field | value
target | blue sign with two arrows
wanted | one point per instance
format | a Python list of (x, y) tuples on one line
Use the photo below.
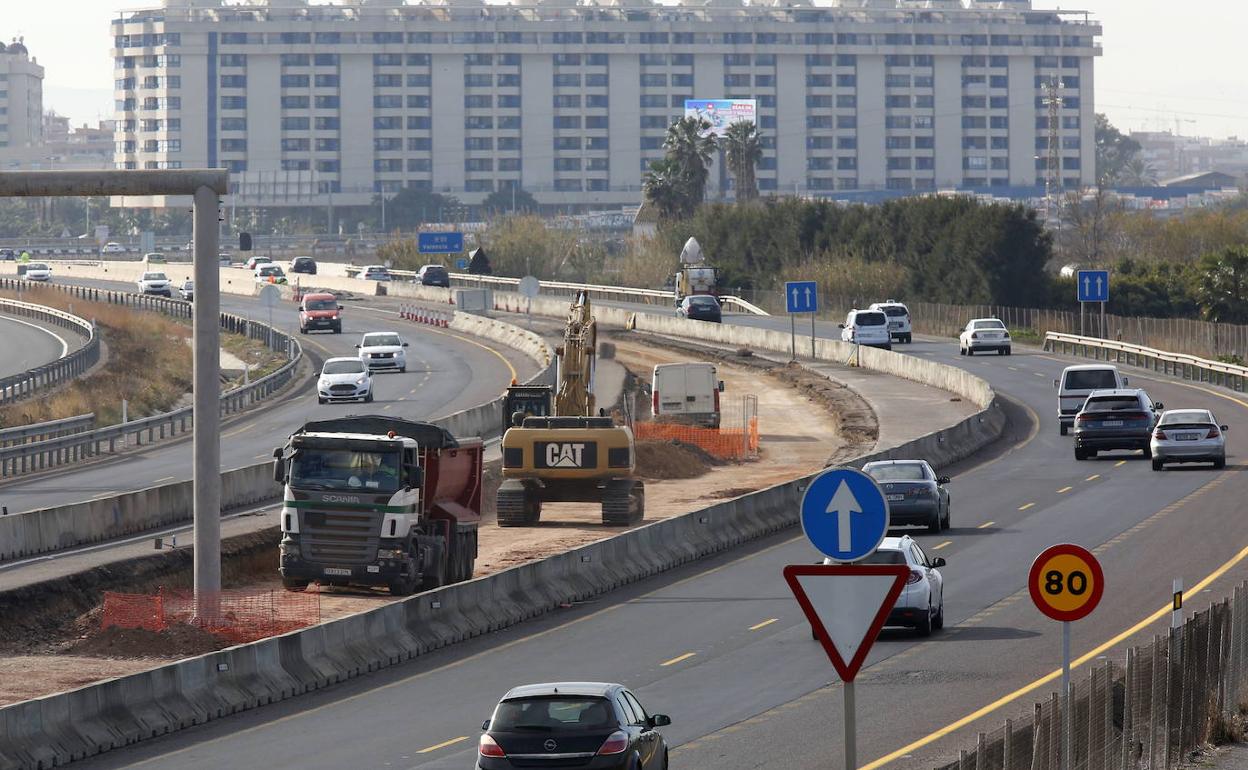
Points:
[(1093, 286), (844, 514), (801, 297)]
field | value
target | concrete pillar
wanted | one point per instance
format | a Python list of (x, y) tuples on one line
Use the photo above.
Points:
[(205, 390)]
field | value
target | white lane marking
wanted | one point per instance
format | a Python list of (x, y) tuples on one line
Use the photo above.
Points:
[(64, 344)]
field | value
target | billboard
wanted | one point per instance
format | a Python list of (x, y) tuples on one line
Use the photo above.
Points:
[(721, 113)]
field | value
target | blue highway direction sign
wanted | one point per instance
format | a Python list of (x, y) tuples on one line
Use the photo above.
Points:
[(1093, 286), (844, 514), (801, 297), (440, 243)]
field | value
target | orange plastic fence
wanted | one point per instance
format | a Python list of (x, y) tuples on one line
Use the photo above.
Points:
[(239, 616), (725, 443)]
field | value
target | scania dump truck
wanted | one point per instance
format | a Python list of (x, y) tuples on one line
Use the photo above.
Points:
[(378, 501)]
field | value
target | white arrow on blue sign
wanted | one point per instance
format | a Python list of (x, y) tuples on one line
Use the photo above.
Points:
[(801, 297), (844, 514), (1093, 285)]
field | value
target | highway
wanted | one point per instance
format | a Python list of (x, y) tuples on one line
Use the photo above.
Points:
[(26, 344), (722, 647), (446, 372)]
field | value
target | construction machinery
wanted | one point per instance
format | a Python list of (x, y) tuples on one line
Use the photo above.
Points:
[(574, 454), (695, 275)]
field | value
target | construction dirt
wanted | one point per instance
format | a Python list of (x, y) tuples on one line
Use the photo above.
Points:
[(801, 430)]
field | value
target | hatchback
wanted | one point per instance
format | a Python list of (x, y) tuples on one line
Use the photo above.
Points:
[(915, 494), (1122, 418), (592, 725), (701, 307), (921, 605), (433, 275), (305, 265), (1188, 436)]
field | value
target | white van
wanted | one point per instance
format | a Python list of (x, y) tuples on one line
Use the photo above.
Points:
[(1076, 383), (687, 393), (867, 327)]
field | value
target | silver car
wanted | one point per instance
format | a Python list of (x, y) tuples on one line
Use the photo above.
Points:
[(921, 605), (915, 494), (1188, 436)]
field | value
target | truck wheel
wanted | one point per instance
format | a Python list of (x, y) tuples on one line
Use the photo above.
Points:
[(404, 587), (290, 584)]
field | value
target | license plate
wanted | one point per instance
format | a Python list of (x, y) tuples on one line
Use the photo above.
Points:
[(895, 325), (1112, 424), (895, 498), (1186, 436), (338, 571)]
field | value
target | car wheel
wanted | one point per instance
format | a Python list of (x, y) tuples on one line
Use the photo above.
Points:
[(1080, 454), (1148, 452), (961, 350), (1062, 429), (368, 399), (909, 339), (933, 525), (948, 518), (1219, 463), (970, 351), (889, 346), (320, 400), (303, 330), (924, 626), (1157, 465), (1009, 351), (402, 370), (664, 759), (939, 621), (1000, 351)]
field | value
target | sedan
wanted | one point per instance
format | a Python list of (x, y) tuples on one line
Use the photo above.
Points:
[(984, 334), (1122, 418), (593, 725), (921, 605), (344, 379), (700, 307), (187, 290), (915, 494), (1188, 436), (113, 248), (434, 275)]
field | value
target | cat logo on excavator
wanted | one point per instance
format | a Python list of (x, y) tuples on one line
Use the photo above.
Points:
[(569, 455)]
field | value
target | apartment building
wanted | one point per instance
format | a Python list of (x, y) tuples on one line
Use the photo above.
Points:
[(21, 104), (330, 104)]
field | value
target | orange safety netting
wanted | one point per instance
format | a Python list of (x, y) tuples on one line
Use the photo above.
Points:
[(724, 443), (239, 616)]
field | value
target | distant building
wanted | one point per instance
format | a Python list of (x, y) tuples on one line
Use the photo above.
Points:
[(1206, 180), (1171, 155), (21, 103)]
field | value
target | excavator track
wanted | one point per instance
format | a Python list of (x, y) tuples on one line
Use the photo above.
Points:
[(623, 502), (516, 505)]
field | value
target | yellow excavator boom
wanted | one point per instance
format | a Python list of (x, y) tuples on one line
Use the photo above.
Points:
[(576, 356)]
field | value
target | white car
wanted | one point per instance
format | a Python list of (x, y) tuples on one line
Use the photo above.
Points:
[(344, 379), (898, 319), (867, 327), (256, 261), (38, 271), (113, 248), (1188, 436), (375, 273), (155, 282), (154, 258), (984, 334), (921, 605), (383, 350), (267, 272)]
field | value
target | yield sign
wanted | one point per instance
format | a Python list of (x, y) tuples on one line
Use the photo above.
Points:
[(847, 605)]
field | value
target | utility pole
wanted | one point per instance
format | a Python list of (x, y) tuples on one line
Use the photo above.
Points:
[(1053, 176)]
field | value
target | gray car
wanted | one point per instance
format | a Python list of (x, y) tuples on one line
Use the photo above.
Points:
[(915, 494), (1122, 418), (1188, 436)]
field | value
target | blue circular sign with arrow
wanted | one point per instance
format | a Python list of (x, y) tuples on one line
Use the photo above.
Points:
[(844, 514)]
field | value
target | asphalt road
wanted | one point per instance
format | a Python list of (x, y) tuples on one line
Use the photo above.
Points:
[(722, 647), (25, 344), (446, 372)]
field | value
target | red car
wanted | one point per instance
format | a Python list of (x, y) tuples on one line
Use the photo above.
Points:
[(320, 311)]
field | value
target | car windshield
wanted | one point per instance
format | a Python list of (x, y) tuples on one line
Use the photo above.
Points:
[(883, 556), (260, 260), (1112, 404), (1195, 417), (532, 404), (351, 366), (345, 469), (893, 311), (301, 261), (1091, 379), (378, 340), (270, 270), (551, 714), (870, 319), (897, 472), (434, 269), (321, 304), (154, 277), (989, 324)]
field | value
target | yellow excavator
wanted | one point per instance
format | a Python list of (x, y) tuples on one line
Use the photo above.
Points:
[(574, 454)]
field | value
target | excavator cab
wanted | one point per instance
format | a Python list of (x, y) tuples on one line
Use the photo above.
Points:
[(526, 401)]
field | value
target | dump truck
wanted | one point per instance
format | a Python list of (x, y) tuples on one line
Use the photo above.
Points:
[(378, 501), (695, 275)]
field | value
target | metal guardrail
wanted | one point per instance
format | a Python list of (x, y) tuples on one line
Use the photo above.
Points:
[(44, 430), (1186, 367), (26, 384), (67, 449)]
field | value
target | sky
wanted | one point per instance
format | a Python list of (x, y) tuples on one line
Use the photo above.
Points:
[(1167, 64)]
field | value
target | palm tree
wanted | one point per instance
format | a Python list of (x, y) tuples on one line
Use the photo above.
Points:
[(743, 146), (1137, 173), (690, 145), (1223, 285), (665, 190)]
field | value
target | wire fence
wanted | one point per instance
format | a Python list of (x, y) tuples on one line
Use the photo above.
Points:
[(237, 616), (736, 438), (1168, 698)]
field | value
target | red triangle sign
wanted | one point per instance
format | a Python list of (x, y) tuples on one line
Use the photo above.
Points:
[(847, 605)]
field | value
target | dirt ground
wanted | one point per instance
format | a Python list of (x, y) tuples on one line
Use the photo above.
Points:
[(798, 435)]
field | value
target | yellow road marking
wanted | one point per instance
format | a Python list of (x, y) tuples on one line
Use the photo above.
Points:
[(942, 545), (166, 478), (678, 659), (1026, 506), (988, 524), (386, 408), (1093, 477), (1120, 463), (1064, 490), (765, 623), (1020, 692), (444, 744)]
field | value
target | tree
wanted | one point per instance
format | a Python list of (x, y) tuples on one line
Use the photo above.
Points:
[(1138, 173), (1113, 150), (665, 190), (1223, 285), (411, 207), (743, 147), (690, 145), (511, 200)]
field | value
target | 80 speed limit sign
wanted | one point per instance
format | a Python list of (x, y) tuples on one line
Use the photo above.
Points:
[(1066, 582)]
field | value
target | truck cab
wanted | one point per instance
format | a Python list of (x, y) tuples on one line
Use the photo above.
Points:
[(687, 393)]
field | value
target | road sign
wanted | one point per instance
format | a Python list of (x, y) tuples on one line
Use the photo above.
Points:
[(1093, 286), (847, 605), (844, 514), (269, 296), (1066, 582), (529, 286), (801, 297), (440, 243), (461, 264)]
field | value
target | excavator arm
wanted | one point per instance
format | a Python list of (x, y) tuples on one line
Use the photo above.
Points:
[(574, 396)]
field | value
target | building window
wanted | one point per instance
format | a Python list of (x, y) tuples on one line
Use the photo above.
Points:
[(295, 124), (507, 101), (387, 81), (295, 102), (897, 101), (846, 81), (328, 166), (924, 164), (478, 101), (596, 101), (230, 145), (419, 143), (568, 185), (847, 163), (478, 143), (1000, 122), (897, 121), (327, 145), (387, 123), (233, 60), (512, 122), (419, 102), (233, 124), (478, 164), (846, 101), (326, 124), (233, 102), (325, 60), (296, 145), (419, 164), (567, 101), (597, 143), (897, 142), (924, 142), (332, 103), (508, 143), (846, 122), (288, 81), (326, 81), (387, 60), (567, 164)]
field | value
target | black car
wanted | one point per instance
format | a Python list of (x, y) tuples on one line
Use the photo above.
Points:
[(700, 307), (8, 255), (1122, 418), (434, 275), (589, 725), (305, 265)]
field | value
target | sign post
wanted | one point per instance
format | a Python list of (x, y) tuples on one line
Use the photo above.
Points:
[(801, 297), (529, 288), (845, 516), (1066, 583), (1092, 286)]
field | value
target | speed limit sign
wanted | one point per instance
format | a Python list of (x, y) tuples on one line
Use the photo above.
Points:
[(1066, 582)]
